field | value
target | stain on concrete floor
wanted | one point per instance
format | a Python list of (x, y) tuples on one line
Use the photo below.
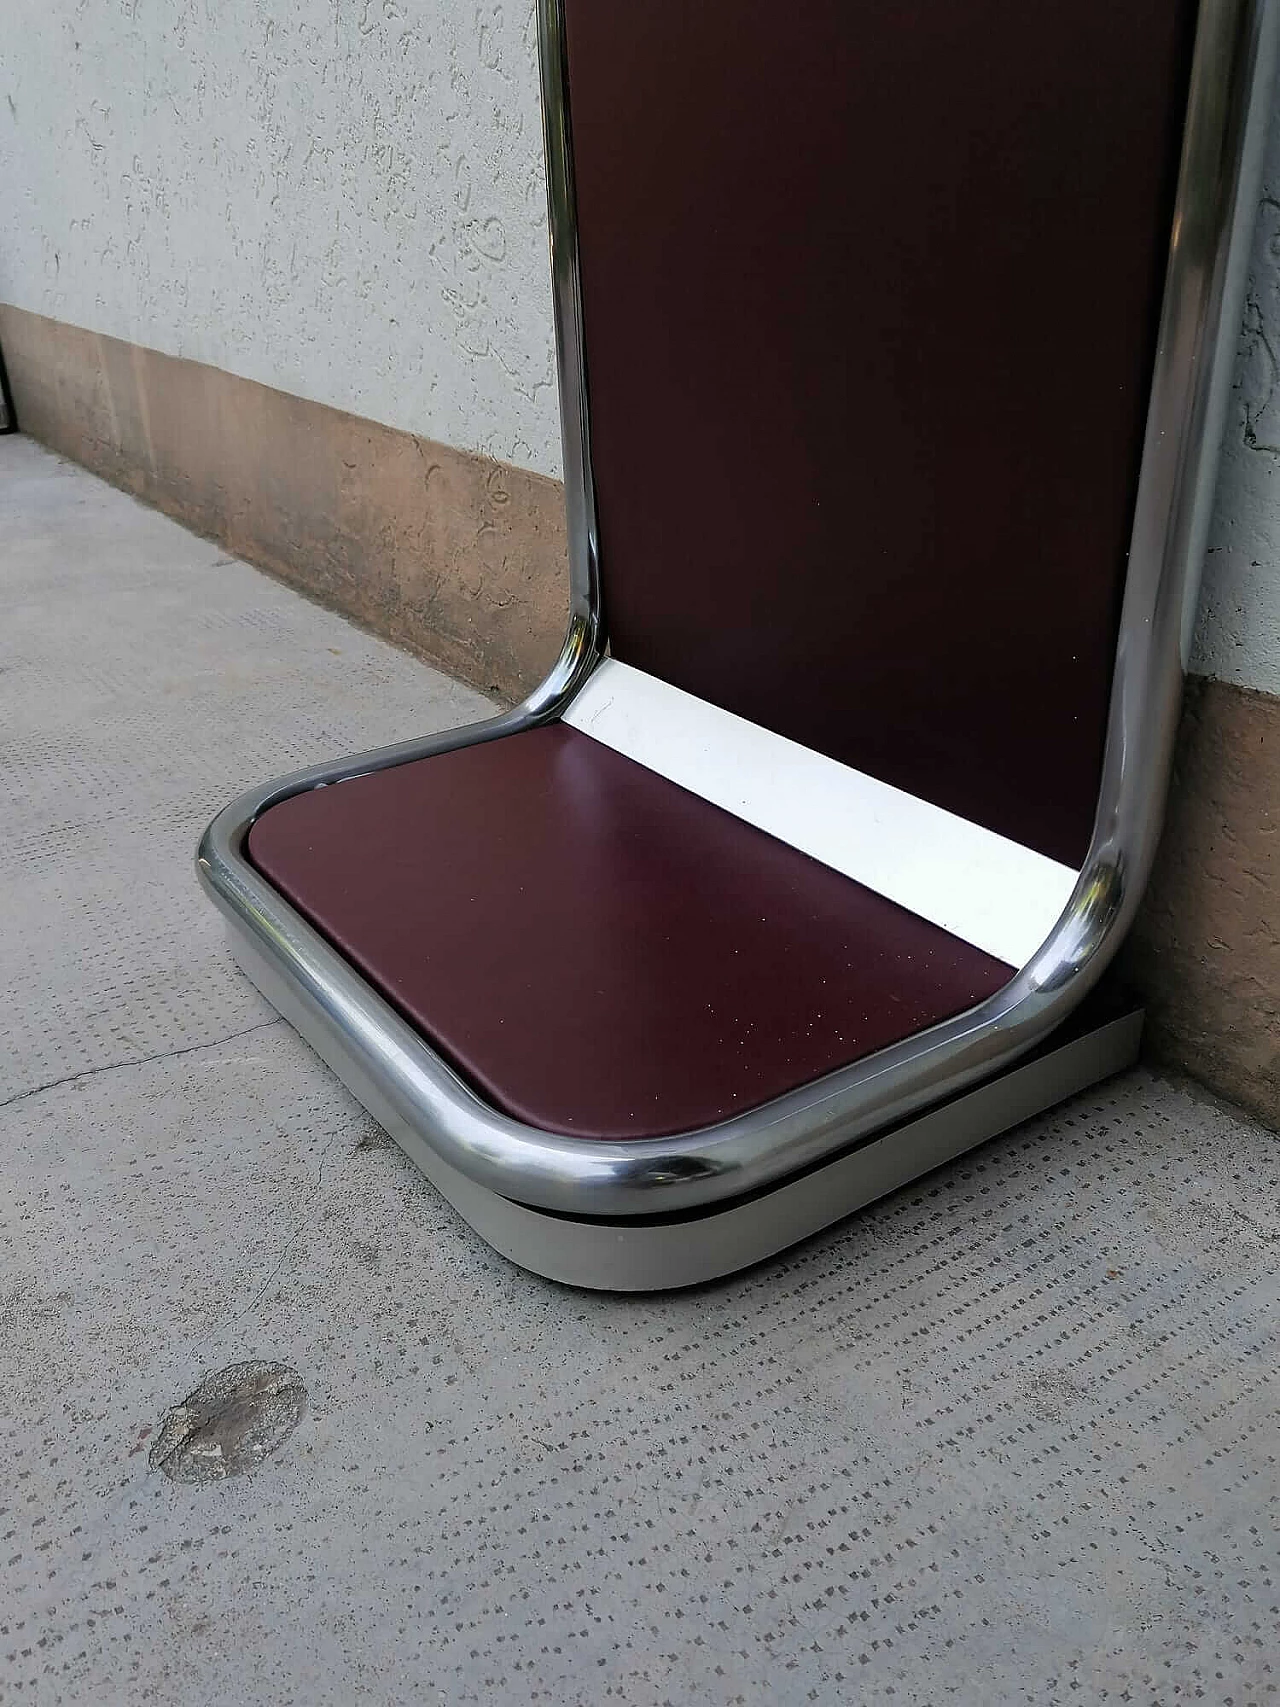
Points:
[(231, 1423)]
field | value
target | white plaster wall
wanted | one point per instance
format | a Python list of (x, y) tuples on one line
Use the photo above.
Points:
[(1238, 637), (341, 198)]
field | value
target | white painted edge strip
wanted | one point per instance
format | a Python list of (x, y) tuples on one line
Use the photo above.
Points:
[(987, 890)]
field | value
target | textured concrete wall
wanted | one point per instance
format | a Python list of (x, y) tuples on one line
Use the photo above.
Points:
[(343, 199), (1206, 950), (460, 558), (1238, 639)]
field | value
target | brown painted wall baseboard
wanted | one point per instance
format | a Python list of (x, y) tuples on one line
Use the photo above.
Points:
[(1206, 949), (463, 560), (455, 556)]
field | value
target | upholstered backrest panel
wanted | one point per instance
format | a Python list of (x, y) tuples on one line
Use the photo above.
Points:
[(870, 298)]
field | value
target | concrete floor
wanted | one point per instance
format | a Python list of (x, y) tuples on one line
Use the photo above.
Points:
[(1011, 1436)]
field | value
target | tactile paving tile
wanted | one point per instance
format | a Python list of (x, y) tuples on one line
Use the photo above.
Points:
[(1010, 1436)]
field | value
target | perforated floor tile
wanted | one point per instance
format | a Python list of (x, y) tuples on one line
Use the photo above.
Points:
[(1011, 1436), (146, 679)]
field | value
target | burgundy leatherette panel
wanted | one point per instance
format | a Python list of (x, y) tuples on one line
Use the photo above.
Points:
[(870, 299), (598, 951)]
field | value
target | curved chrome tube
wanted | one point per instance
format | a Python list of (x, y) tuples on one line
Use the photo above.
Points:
[(1233, 65)]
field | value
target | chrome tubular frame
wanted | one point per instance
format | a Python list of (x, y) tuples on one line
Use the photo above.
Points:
[(444, 1124)]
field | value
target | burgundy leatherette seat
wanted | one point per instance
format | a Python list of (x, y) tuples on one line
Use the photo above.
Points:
[(598, 951)]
